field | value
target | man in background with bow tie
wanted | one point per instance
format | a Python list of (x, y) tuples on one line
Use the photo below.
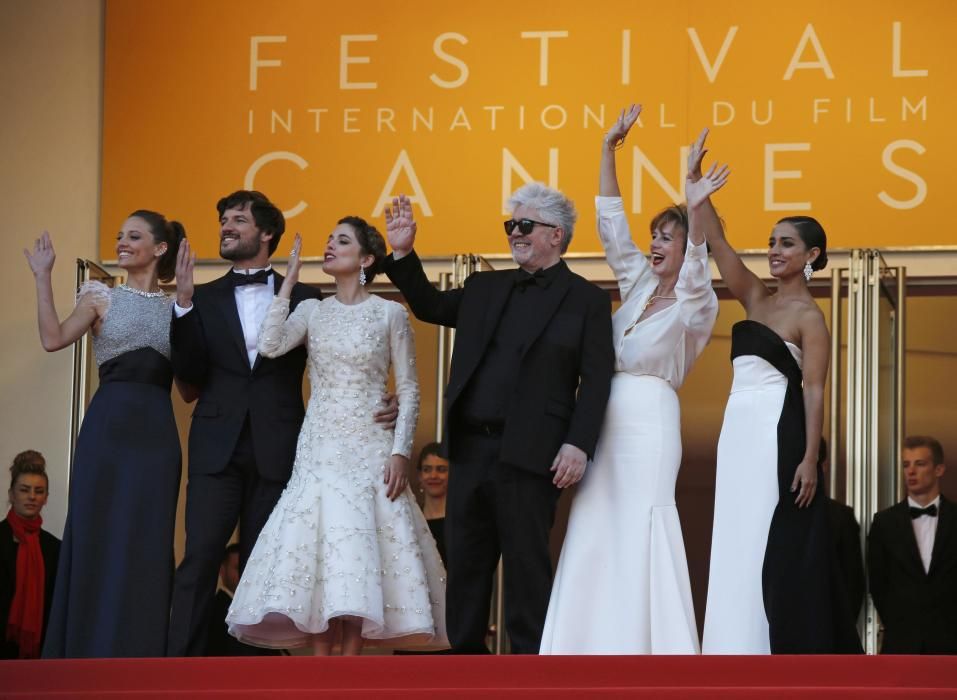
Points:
[(242, 440), (912, 559), (528, 383)]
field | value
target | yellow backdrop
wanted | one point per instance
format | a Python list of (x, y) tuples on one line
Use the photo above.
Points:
[(842, 110)]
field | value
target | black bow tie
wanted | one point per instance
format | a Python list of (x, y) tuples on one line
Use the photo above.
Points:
[(524, 279), (239, 279), (930, 510)]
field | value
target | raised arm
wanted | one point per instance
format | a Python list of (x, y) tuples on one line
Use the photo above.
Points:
[(699, 305), (404, 268), (292, 269), (55, 335), (697, 302), (186, 335), (613, 140), (280, 334), (703, 221), (744, 284), (624, 258), (816, 349)]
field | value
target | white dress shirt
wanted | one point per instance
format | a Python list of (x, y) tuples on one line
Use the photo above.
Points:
[(667, 343), (252, 302), (925, 529)]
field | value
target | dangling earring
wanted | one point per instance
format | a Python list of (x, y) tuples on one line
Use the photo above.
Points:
[(362, 276), (808, 271)]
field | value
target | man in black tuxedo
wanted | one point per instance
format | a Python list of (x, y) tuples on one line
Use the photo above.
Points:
[(242, 439), (912, 559), (529, 380)]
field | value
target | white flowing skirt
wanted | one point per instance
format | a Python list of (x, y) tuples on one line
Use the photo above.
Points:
[(622, 583), (336, 546), (746, 493)]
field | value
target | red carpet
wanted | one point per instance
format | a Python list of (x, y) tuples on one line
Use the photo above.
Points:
[(820, 677)]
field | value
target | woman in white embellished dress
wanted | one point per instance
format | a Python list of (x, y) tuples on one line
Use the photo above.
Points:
[(622, 582), (346, 548)]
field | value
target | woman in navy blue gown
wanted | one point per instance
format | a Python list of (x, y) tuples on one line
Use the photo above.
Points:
[(116, 562)]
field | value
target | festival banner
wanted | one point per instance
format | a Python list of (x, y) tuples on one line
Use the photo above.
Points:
[(838, 110)]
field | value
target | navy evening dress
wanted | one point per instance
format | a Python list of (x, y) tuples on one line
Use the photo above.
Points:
[(115, 573)]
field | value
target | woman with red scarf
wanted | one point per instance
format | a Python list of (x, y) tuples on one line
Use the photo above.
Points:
[(28, 561)]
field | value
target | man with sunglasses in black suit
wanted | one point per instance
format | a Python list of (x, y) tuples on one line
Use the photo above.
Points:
[(530, 376)]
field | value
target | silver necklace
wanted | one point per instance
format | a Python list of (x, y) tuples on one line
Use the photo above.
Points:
[(140, 292)]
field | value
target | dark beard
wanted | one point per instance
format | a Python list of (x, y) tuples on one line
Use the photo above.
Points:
[(244, 250)]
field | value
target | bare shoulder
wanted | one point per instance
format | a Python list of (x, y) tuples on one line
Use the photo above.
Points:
[(811, 318), (812, 328)]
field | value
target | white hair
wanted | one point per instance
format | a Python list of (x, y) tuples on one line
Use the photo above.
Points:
[(553, 207)]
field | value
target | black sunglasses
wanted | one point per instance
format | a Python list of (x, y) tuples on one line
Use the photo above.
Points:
[(525, 226)]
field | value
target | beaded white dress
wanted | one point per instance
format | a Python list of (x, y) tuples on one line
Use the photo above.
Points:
[(335, 545)]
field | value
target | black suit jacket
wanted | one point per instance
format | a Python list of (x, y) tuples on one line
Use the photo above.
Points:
[(209, 351), (918, 609), (50, 548), (565, 370)]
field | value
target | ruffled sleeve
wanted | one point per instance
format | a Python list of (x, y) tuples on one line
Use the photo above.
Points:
[(629, 264), (96, 294), (402, 346), (279, 334)]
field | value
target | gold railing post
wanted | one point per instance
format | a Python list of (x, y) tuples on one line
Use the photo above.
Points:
[(836, 376), (899, 378), (442, 366)]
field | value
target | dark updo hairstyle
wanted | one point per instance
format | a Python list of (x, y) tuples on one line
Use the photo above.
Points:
[(370, 241), (433, 449), (268, 217), (676, 213), (812, 233), (28, 462), (171, 233)]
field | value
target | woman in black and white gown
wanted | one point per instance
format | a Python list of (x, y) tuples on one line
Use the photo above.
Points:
[(774, 581), (622, 582)]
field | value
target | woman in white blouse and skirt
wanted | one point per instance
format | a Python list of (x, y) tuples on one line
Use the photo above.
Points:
[(622, 583)]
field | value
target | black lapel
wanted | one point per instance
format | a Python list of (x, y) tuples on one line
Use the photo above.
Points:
[(277, 281), (554, 296), (226, 300), (905, 533), (945, 530)]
